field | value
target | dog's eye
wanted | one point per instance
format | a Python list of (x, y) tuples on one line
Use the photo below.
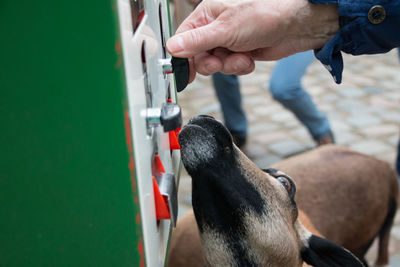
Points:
[(286, 183), (285, 180)]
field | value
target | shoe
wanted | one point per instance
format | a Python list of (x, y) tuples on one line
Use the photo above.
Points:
[(327, 139)]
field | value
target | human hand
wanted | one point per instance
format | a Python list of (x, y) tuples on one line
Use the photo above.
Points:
[(229, 35)]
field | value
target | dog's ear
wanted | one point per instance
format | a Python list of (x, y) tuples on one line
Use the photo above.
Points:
[(323, 253)]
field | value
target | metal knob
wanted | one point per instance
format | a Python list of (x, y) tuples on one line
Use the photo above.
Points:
[(169, 116), (178, 66)]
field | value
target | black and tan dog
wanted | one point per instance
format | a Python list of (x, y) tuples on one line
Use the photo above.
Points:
[(248, 217)]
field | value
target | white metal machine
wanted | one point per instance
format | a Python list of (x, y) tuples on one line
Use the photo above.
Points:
[(154, 116)]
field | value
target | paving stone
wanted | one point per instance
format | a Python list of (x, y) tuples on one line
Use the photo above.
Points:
[(394, 95), (396, 79), (363, 120), (289, 124), (264, 110), (301, 133), (380, 130), (262, 128), (361, 80), (282, 116), (254, 100), (396, 232), (371, 147), (391, 116), (389, 157), (264, 66), (204, 92), (250, 90), (326, 107), (383, 102), (344, 137), (267, 161), (331, 97), (351, 105), (372, 90), (382, 71), (202, 78), (251, 118), (315, 90), (393, 140), (286, 148), (352, 92), (254, 78), (254, 151), (339, 125), (337, 115), (397, 219), (380, 111), (357, 67), (394, 261), (269, 137), (207, 109)]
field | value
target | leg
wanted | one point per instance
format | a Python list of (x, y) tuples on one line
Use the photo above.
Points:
[(285, 86), (227, 88), (398, 161), (398, 145)]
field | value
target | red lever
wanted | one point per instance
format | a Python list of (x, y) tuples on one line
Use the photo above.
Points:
[(173, 140), (177, 131), (162, 210), (158, 167)]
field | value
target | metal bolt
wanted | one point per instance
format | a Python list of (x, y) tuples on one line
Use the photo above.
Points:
[(166, 65)]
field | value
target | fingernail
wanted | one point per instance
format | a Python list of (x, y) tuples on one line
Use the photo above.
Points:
[(175, 44)]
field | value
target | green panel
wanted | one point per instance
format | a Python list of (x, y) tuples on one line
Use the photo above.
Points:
[(66, 197)]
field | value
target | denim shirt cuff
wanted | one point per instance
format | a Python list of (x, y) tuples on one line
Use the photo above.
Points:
[(357, 34), (331, 57)]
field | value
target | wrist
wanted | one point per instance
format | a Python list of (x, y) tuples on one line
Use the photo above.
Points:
[(320, 23)]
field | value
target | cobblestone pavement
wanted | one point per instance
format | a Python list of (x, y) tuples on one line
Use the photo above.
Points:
[(364, 112)]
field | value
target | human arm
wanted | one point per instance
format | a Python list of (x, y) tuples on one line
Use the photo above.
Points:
[(295, 26), (228, 35)]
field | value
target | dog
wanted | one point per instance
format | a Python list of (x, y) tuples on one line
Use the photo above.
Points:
[(329, 215)]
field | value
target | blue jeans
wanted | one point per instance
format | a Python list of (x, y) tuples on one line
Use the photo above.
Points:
[(285, 87), (398, 161), (398, 145), (227, 88)]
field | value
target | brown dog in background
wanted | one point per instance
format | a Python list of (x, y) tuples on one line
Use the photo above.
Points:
[(248, 217)]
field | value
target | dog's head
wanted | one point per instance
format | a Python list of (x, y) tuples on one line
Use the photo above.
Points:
[(246, 216)]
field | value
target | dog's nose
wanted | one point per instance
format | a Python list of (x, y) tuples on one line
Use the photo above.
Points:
[(205, 116), (199, 117)]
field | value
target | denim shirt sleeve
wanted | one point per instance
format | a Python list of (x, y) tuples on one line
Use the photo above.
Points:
[(357, 35)]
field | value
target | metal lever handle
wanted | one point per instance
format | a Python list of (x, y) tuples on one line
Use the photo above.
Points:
[(168, 190), (178, 66), (169, 116)]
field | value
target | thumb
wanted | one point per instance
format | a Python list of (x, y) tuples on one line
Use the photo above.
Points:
[(192, 42)]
